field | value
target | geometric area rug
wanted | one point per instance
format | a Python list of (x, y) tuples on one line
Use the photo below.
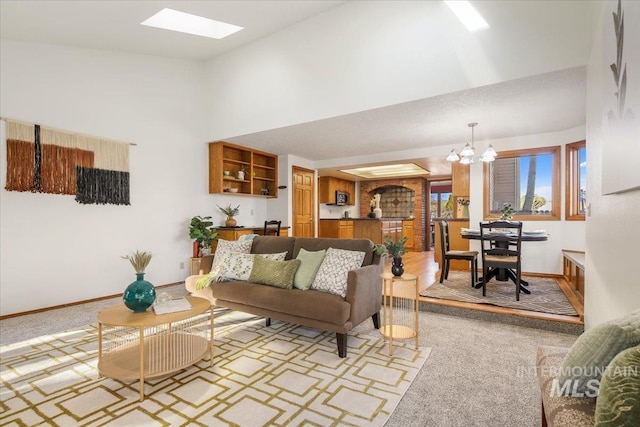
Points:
[(282, 375), (546, 296)]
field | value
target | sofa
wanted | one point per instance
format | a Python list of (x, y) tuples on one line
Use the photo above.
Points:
[(596, 382), (311, 308)]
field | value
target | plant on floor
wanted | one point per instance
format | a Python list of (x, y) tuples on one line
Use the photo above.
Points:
[(201, 229), (139, 260)]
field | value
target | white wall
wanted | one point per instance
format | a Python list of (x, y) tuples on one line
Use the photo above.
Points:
[(370, 54), (56, 251), (612, 234)]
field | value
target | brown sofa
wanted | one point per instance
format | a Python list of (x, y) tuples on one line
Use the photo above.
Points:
[(319, 310)]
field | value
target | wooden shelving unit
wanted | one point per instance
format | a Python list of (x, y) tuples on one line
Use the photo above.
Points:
[(261, 170)]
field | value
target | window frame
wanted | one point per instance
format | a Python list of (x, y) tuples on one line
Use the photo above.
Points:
[(555, 183), (572, 181)]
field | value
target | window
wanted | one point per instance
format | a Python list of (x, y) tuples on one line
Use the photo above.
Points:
[(576, 181), (528, 180), (441, 203)]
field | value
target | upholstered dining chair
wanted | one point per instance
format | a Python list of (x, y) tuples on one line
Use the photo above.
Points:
[(448, 255), (272, 227), (501, 243)]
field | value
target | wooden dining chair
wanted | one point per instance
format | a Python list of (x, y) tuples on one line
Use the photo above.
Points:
[(272, 227), (501, 243), (448, 255)]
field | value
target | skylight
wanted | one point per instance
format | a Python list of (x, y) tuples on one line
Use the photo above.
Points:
[(468, 15), (387, 171), (169, 19)]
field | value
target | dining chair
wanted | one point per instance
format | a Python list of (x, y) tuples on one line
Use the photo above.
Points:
[(500, 245), (448, 255), (272, 227)]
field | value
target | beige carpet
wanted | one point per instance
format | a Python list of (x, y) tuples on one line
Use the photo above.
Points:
[(279, 376), (546, 296)]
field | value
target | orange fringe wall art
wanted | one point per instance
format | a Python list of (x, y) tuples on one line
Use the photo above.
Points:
[(46, 160)]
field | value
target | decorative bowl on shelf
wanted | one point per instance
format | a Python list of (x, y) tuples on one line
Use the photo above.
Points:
[(233, 190)]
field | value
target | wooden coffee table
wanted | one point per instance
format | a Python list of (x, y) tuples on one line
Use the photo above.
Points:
[(135, 346)]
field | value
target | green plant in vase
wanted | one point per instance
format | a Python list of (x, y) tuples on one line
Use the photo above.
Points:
[(507, 212), (202, 231), (395, 249), (230, 213)]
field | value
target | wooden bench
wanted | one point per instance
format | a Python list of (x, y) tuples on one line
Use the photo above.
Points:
[(573, 271)]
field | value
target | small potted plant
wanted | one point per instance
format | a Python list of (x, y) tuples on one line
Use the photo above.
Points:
[(201, 229), (507, 212), (230, 213), (395, 250)]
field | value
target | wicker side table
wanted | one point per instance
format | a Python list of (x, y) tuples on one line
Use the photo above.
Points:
[(400, 311)]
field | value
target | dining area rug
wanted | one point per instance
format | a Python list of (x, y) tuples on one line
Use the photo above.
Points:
[(546, 295), (280, 375)]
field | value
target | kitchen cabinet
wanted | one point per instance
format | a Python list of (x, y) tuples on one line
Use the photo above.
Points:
[(408, 232), (328, 185), (260, 170), (336, 228)]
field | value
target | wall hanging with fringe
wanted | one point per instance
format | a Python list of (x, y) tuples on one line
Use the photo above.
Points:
[(46, 160)]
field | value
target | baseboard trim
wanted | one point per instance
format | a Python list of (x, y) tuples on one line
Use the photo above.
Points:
[(71, 304)]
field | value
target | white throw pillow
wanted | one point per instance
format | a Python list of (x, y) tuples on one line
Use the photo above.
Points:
[(238, 266), (333, 272), (226, 246)]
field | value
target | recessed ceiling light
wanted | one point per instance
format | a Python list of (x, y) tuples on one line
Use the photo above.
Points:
[(468, 15), (387, 171), (169, 19)]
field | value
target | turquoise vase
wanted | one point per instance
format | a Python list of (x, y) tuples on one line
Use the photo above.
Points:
[(139, 295)]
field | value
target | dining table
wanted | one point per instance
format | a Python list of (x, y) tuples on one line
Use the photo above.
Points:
[(504, 274)]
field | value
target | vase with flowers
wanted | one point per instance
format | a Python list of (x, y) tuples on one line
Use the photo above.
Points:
[(464, 203), (230, 213), (139, 295)]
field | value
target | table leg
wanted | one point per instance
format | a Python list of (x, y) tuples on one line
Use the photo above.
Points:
[(99, 346), (141, 363), (505, 274), (211, 340)]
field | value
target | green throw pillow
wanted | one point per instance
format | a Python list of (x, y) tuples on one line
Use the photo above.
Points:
[(595, 349), (309, 266), (618, 402), (274, 273)]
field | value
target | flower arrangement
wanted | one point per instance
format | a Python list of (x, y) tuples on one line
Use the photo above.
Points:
[(464, 202), (507, 212), (139, 260), (229, 211)]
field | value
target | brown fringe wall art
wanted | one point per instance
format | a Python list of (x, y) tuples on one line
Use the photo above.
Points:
[(45, 160)]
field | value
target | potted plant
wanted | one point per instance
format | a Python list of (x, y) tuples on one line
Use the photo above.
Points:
[(395, 250), (139, 295), (230, 213), (201, 229), (507, 212)]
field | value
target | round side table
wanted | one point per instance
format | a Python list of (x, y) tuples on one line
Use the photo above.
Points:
[(400, 311)]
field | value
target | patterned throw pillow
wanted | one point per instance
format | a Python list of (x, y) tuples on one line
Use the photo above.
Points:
[(594, 349), (618, 402), (309, 264), (334, 270), (274, 272), (238, 266), (226, 246)]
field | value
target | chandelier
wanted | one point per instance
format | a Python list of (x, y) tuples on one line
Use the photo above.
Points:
[(468, 154)]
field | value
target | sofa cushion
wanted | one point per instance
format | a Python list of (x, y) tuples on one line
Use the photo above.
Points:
[(560, 409), (309, 265), (311, 244), (239, 266), (273, 244), (273, 272), (334, 270), (310, 304), (595, 348), (618, 402), (226, 246)]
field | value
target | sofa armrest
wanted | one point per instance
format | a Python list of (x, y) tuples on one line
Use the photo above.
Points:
[(364, 292)]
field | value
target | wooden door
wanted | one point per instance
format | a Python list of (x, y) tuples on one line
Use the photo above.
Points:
[(303, 202)]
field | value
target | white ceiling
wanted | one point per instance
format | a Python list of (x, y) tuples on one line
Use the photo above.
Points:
[(541, 103)]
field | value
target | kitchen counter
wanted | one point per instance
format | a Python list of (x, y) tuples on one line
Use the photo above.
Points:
[(367, 219), (373, 229)]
